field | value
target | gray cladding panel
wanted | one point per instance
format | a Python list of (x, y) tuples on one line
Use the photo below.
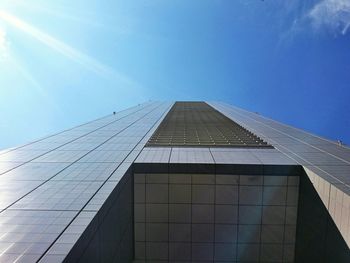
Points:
[(57, 191), (304, 148), (214, 217), (325, 162), (217, 155)]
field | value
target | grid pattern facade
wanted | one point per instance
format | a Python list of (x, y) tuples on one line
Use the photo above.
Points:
[(95, 193), (215, 218), (326, 163), (55, 193), (198, 124)]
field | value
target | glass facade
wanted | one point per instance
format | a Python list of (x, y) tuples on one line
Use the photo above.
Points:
[(100, 193), (52, 191)]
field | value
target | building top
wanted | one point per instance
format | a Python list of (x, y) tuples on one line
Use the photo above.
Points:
[(52, 189), (196, 124)]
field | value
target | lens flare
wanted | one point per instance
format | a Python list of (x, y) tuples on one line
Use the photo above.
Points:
[(66, 50), (4, 44)]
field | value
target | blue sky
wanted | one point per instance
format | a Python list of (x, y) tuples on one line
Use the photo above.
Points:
[(66, 62)]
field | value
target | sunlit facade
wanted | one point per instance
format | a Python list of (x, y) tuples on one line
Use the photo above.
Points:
[(176, 182)]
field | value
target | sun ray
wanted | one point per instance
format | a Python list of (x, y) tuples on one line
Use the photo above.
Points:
[(56, 44), (79, 57), (4, 43), (65, 14), (32, 81)]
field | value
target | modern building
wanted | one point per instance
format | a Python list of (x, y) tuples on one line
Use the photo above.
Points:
[(176, 182)]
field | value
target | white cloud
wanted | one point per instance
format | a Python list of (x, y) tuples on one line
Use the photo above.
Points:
[(333, 15)]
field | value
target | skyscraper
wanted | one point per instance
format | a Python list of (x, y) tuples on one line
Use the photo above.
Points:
[(176, 182)]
